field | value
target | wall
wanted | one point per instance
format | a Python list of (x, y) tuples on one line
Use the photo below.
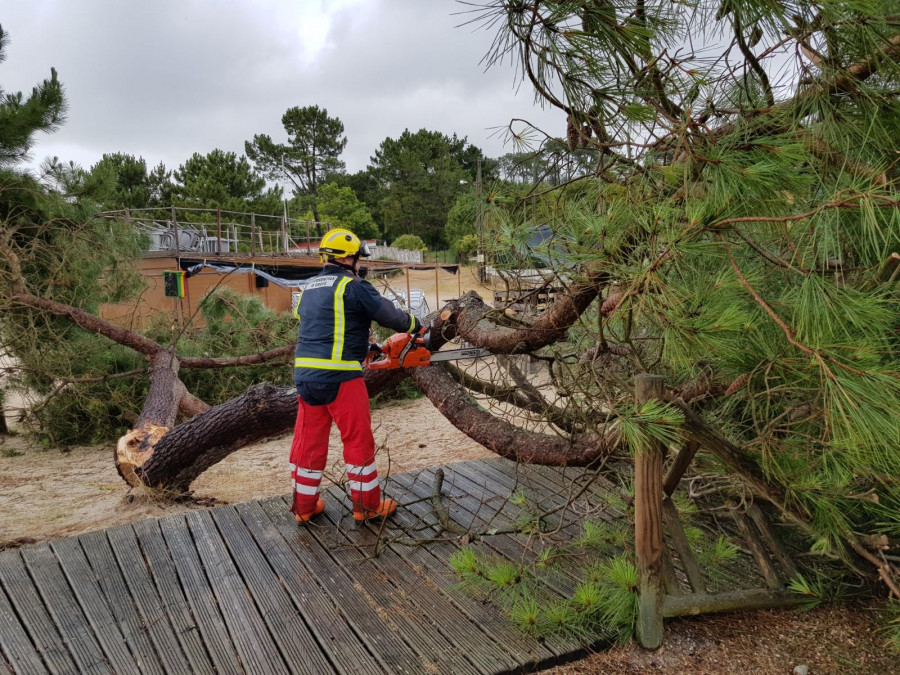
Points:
[(153, 300)]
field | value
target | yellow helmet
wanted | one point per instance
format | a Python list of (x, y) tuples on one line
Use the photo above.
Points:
[(341, 243)]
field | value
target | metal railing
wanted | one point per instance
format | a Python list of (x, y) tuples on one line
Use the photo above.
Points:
[(185, 230)]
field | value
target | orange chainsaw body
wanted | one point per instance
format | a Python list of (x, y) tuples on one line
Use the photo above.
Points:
[(401, 350)]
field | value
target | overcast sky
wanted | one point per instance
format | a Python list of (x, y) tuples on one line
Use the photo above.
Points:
[(163, 79)]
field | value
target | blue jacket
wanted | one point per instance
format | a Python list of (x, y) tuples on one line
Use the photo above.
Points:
[(336, 311)]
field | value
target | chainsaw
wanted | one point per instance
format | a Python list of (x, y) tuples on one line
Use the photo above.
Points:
[(411, 350)]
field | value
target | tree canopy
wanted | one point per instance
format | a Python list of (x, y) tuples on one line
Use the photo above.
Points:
[(419, 176), (21, 118), (310, 156), (339, 207), (744, 215), (223, 180)]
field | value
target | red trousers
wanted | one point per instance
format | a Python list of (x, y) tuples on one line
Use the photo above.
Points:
[(309, 450)]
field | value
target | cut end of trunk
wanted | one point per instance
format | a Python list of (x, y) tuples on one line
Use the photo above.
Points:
[(134, 449)]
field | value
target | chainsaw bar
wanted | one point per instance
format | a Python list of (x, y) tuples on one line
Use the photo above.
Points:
[(457, 354)]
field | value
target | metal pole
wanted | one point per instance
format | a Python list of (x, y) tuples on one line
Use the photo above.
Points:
[(218, 231), (252, 234), (479, 252), (175, 228), (408, 298), (437, 297)]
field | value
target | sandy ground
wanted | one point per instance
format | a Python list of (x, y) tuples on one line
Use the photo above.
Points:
[(49, 493)]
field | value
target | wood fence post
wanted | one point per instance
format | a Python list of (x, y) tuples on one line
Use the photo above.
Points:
[(252, 235), (648, 533)]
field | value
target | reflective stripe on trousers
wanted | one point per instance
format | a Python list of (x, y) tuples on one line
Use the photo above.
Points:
[(309, 450)]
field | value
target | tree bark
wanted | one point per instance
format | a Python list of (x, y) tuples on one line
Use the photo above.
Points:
[(503, 438)]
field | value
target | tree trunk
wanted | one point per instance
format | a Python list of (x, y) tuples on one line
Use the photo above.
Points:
[(502, 437), (170, 458)]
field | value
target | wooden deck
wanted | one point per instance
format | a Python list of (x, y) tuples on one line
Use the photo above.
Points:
[(244, 589)]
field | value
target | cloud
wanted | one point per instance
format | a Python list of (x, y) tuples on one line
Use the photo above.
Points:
[(168, 78)]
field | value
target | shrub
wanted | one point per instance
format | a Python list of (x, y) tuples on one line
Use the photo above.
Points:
[(410, 242)]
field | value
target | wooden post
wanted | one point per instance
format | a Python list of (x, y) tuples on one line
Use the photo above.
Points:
[(308, 252), (284, 236), (437, 296), (648, 533), (218, 231), (252, 234), (682, 461), (459, 280)]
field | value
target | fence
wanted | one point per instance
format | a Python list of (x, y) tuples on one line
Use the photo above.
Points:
[(180, 230)]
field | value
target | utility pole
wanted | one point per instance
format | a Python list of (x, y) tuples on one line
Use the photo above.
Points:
[(479, 253)]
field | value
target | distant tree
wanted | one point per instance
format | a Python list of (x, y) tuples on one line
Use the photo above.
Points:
[(126, 183), (21, 118), (308, 159), (339, 207), (223, 180), (364, 186), (410, 242), (419, 176)]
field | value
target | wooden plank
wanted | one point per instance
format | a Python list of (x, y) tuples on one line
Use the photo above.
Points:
[(567, 480), (284, 620), (766, 566), (15, 645), (432, 563), (547, 494), (685, 555), (90, 597), (670, 580), (128, 555), (165, 578), (702, 603), (556, 586), (346, 651), (762, 525), (112, 584), (376, 631), (516, 548), (679, 465), (257, 651), (33, 614), (456, 643), (199, 595), (63, 608)]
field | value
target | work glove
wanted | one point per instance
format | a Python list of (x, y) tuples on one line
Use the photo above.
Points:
[(417, 325)]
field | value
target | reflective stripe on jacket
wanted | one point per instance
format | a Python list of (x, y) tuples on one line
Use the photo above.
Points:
[(336, 311)]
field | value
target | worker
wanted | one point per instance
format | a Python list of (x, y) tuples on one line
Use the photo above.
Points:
[(336, 311)]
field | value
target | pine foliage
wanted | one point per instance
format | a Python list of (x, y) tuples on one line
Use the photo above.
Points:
[(742, 215)]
